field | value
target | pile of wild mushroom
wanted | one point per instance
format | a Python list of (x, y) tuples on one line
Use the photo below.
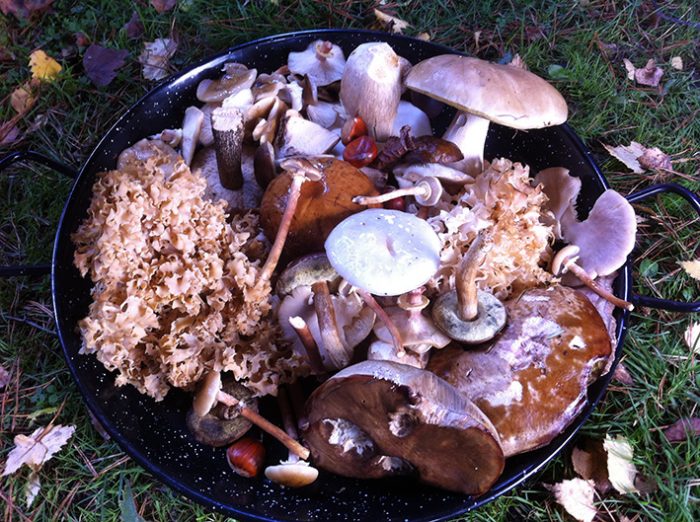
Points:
[(432, 294)]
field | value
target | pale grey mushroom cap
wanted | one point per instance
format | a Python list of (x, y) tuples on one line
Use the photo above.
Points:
[(321, 61), (292, 474), (490, 319), (385, 252)]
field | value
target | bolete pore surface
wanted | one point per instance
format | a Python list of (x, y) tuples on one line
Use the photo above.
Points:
[(379, 418), (532, 382)]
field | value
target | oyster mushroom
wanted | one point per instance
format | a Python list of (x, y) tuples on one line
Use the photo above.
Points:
[(371, 87), (300, 137), (236, 78), (322, 61), (210, 393), (378, 418), (532, 381), (483, 92), (467, 314), (561, 189)]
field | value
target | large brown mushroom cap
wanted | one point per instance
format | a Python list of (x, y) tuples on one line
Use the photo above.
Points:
[(500, 93), (379, 418), (532, 382)]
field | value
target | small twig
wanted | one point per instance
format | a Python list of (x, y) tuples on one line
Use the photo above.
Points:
[(384, 317)]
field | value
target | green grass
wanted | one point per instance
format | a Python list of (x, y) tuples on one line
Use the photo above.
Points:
[(87, 480)]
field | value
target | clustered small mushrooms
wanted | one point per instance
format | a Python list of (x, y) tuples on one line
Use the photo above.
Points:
[(403, 360)]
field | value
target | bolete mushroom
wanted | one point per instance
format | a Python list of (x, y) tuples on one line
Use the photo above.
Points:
[(371, 87), (378, 418), (467, 314), (210, 393), (483, 92), (532, 381)]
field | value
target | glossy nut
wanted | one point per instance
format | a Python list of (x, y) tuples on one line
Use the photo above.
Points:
[(360, 152), (352, 129), (246, 457)]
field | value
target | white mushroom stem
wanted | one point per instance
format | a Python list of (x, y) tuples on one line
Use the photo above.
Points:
[(565, 261), (427, 192), (191, 128), (301, 170), (465, 282), (307, 340), (384, 317), (468, 132), (264, 424)]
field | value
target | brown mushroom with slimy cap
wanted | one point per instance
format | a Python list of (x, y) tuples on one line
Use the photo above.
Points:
[(210, 393), (385, 252), (565, 261), (371, 87), (467, 314), (378, 418), (483, 92), (322, 61), (236, 78), (427, 192), (532, 381), (292, 473)]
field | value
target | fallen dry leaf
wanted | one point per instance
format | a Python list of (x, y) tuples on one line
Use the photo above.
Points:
[(629, 66), (32, 489), (692, 337), (692, 268), (649, 75), (518, 62), (155, 58), (23, 97), (4, 377), (101, 63), (8, 133), (680, 430), (677, 63), (576, 496), (43, 66), (423, 36), (134, 27), (637, 157), (391, 23), (590, 461), (163, 6), (37, 448), (623, 375), (23, 8), (621, 469)]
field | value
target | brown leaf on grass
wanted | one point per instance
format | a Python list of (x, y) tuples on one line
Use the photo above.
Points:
[(8, 133), (23, 97), (623, 375), (692, 337), (391, 23), (645, 485), (649, 75), (32, 488), (134, 27), (621, 469), (155, 58), (590, 461), (34, 450), (23, 8), (630, 68), (101, 63), (163, 6), (43, 66), (692, 268), (4, 377), (682, 429), (576, 496), (518, 62), (637, 157)]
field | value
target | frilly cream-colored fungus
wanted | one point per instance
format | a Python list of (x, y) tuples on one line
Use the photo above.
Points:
[(175, 292), (502, 201)]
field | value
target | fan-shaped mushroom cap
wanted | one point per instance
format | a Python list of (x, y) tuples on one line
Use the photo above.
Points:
[(386, 252), (379, 418), (562, 190), (532, 382), (407, 175), (506, 95), (322, 61), (292, 474), (606, 237), (205, 398)]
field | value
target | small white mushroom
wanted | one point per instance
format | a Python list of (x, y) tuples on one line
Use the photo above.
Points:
[(322, 61), (561, 189), (191, 128), (409, 114)]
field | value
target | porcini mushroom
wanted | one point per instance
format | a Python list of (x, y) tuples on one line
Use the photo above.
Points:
[(322, 61), (378, 418), (483, 92), (565, 261), (467, 314), (371, 87), (427, 192), (292, 473), (210, 393), (385, 252)]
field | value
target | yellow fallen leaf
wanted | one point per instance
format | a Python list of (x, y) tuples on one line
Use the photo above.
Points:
[(43, 66), (576, 496), (621, 469), (423, 36), (393, 24), (692, 268), (35, 449), (692, 337)]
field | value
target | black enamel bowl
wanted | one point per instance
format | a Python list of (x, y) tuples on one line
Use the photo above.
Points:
[(154, 434)]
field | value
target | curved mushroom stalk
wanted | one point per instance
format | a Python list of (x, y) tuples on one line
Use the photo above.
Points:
[(565, 261), (468, 314), (427, 191), (409, 175), (468, 132)]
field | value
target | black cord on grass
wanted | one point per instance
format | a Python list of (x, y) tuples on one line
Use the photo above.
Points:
[(669, 18)]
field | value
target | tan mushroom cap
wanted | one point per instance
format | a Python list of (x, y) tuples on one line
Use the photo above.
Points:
[(292, 474), (205, 398), (500, 93)]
